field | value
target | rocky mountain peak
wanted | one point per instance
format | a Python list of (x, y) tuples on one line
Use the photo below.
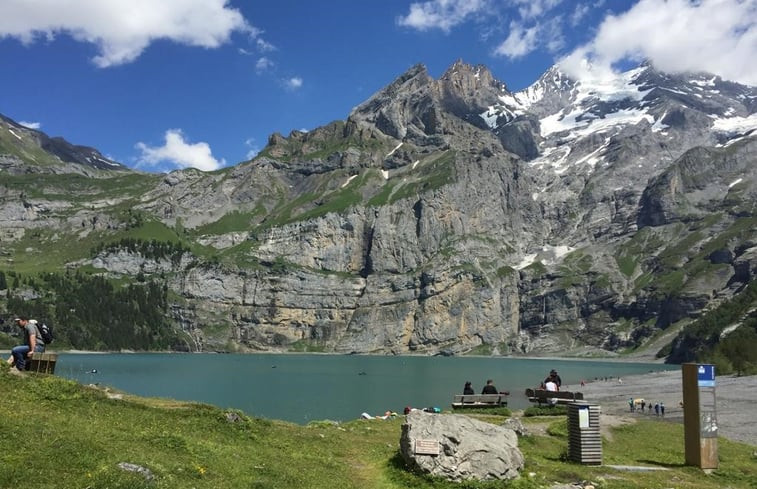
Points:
[(61, 156), (443, 216)]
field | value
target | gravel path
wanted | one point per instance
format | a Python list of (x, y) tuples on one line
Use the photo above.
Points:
[(736, 400)]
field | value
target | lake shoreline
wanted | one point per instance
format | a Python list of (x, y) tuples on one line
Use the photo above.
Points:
[(614, 359), (735, 400)]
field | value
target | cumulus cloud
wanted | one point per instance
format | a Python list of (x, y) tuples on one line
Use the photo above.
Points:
[(717, 36), (519, 42), (578, 14), (293, 83), (530, 25), (179, 153), (523, 40), (263, 64), (264, 46), (531, 9), (441, 14), (30, 125), (122, 30), (252, 148)]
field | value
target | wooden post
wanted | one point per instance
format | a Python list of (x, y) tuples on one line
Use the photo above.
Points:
[(699, 415)]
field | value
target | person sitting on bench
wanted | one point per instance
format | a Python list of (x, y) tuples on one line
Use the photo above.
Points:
[(551, 386), (489, 388), (554, 378), (468, 389), (32, 343)]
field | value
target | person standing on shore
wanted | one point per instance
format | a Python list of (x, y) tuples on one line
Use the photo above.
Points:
[(662, 408), (33, 343)]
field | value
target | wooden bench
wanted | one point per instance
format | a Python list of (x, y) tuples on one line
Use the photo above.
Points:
[(42, 363), (542, 396), (463, 401)]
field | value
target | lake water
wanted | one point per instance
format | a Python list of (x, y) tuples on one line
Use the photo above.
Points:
[(302, 388)]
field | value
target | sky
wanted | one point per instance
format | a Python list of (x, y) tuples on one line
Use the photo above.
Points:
[(170, 84)]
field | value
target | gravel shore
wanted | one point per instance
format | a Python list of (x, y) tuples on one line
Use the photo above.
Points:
[(736, 400)]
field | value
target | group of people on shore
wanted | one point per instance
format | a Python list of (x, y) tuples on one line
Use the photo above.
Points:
[(641, 404), (33, 343), (551, 383)]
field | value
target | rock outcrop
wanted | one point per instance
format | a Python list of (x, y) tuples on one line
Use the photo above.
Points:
[(468, 449), (442, 216)]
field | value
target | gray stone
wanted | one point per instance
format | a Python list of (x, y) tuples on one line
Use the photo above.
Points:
[(468, 448), (516, 425), (144, 472)]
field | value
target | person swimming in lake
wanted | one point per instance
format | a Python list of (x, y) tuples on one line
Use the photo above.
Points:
[(468, 389)]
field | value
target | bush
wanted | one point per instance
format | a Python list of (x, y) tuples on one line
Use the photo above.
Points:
[(546, 411)]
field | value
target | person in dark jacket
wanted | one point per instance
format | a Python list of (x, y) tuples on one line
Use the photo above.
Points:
[(489, 388), (468, 389), (553, 377)]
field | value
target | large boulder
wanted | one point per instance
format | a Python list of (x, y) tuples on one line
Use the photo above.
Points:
[(467, 448)]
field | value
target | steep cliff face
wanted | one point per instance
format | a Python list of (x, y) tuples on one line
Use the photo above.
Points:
[(448, 216)]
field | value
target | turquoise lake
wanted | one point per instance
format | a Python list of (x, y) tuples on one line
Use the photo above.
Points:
[(303, 388)]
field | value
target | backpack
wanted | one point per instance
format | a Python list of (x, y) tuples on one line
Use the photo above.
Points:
[(46, 332)]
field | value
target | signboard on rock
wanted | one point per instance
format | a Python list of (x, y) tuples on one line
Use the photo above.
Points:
[(426, 447)]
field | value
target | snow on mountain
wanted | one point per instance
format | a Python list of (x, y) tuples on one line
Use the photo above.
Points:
[(676, 111)]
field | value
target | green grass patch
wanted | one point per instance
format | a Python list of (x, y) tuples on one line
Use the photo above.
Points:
[(558, 410), (489, 411), (84, 435), (306, 346), (484, 350)]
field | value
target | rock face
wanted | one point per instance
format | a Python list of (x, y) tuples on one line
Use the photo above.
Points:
[(468, 448), (442, 216)]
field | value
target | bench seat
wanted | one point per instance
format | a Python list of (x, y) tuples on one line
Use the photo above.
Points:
[(542, 396), (463, 401), (42, 363)]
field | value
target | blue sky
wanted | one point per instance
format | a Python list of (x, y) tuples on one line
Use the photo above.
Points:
[(203, 83)]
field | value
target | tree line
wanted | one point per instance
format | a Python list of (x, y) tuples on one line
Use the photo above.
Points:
[(89, 312), (704, 341), (152, 249)]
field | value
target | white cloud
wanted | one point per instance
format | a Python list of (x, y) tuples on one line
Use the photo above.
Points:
[(263, 64), (531, 9), (179, 153), (30, 125), (717, 36), (524, 40), (578, 14), (441, 14), (264, 46), (293, 83), (519, 43), (121, 30), (252, 148)]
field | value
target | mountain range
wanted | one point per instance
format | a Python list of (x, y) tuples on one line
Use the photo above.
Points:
[(442, 216)]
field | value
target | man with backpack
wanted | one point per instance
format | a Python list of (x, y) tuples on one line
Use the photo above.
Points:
[(33, 342)]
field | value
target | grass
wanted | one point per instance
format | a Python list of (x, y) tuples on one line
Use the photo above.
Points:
[(59, 434), (558, 410)]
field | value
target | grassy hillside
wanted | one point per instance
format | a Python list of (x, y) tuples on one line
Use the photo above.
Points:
[(59, 434)]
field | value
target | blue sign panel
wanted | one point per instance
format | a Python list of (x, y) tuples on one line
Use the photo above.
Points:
[(706, 375)]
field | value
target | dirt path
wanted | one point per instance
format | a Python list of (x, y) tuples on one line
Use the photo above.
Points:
[(736, 401)]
